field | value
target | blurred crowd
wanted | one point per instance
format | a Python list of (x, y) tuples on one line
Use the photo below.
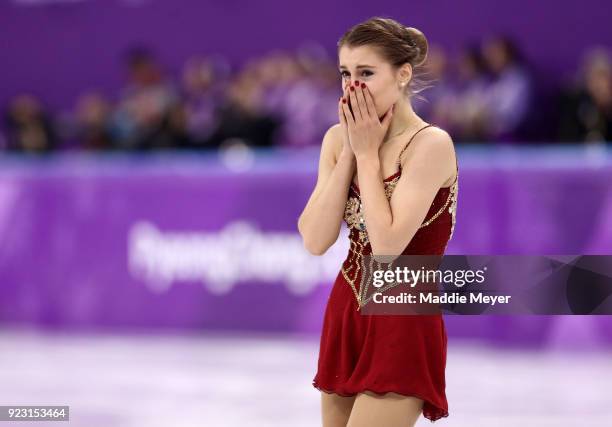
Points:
[(486, 93)]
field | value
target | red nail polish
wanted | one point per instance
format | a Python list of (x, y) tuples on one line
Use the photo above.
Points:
[(363, 85), (352, 88), (356, 82), (343, 101)]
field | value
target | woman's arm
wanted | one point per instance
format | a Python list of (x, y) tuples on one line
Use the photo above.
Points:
[(392, 224), (320, 221)]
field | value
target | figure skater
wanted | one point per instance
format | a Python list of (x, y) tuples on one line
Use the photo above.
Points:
[(393, 179)]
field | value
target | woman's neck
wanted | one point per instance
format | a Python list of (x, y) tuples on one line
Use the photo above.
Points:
[(404, 121)]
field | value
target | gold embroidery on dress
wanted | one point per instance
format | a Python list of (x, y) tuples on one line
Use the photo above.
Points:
[(353, 212), (453, 208), (356, 259), (353, 216)]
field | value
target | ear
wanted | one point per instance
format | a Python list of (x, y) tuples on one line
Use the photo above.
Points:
[(405, 73)]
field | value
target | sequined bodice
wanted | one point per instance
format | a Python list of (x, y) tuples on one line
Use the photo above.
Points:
[(444, 204), (431, 238)]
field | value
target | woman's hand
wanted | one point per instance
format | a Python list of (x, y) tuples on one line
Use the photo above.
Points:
[(365, 130)]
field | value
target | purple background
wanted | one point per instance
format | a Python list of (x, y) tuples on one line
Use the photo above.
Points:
[(65, 221), (58, 50)]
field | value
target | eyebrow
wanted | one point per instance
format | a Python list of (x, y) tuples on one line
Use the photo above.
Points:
[(359, 66)]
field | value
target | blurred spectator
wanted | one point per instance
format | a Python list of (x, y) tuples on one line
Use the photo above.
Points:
[(290, 99), (465, 111), (284, 81), (509, 91), (171, 131), (29, 128), (144, 104), (435, 105), (488, 97), (586, 108), (92, 127), (313, 103), (303, 92), (242, 117), (204, 83)]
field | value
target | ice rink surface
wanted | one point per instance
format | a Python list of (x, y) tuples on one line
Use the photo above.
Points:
[(178, 380)]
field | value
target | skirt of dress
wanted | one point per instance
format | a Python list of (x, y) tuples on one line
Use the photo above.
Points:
[(405, 354)]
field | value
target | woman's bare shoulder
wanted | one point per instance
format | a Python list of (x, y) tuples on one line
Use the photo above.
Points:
[(438, 134), (432, 146), (436, 139)]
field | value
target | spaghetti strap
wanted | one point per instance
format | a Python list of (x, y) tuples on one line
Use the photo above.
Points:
[(399, 157)]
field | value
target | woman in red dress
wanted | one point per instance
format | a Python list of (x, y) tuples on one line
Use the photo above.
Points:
[(381, 370)]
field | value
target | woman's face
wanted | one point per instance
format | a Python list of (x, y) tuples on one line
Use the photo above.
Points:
[(365, 65)]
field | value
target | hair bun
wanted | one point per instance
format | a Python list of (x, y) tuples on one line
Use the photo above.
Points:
[(420, 42)]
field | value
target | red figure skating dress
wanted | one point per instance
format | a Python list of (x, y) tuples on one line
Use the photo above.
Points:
[(405, 354)]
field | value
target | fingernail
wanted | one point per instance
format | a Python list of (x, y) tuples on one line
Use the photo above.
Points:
[(363, 85), (343, 101), (352, 88), (356, 82)]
